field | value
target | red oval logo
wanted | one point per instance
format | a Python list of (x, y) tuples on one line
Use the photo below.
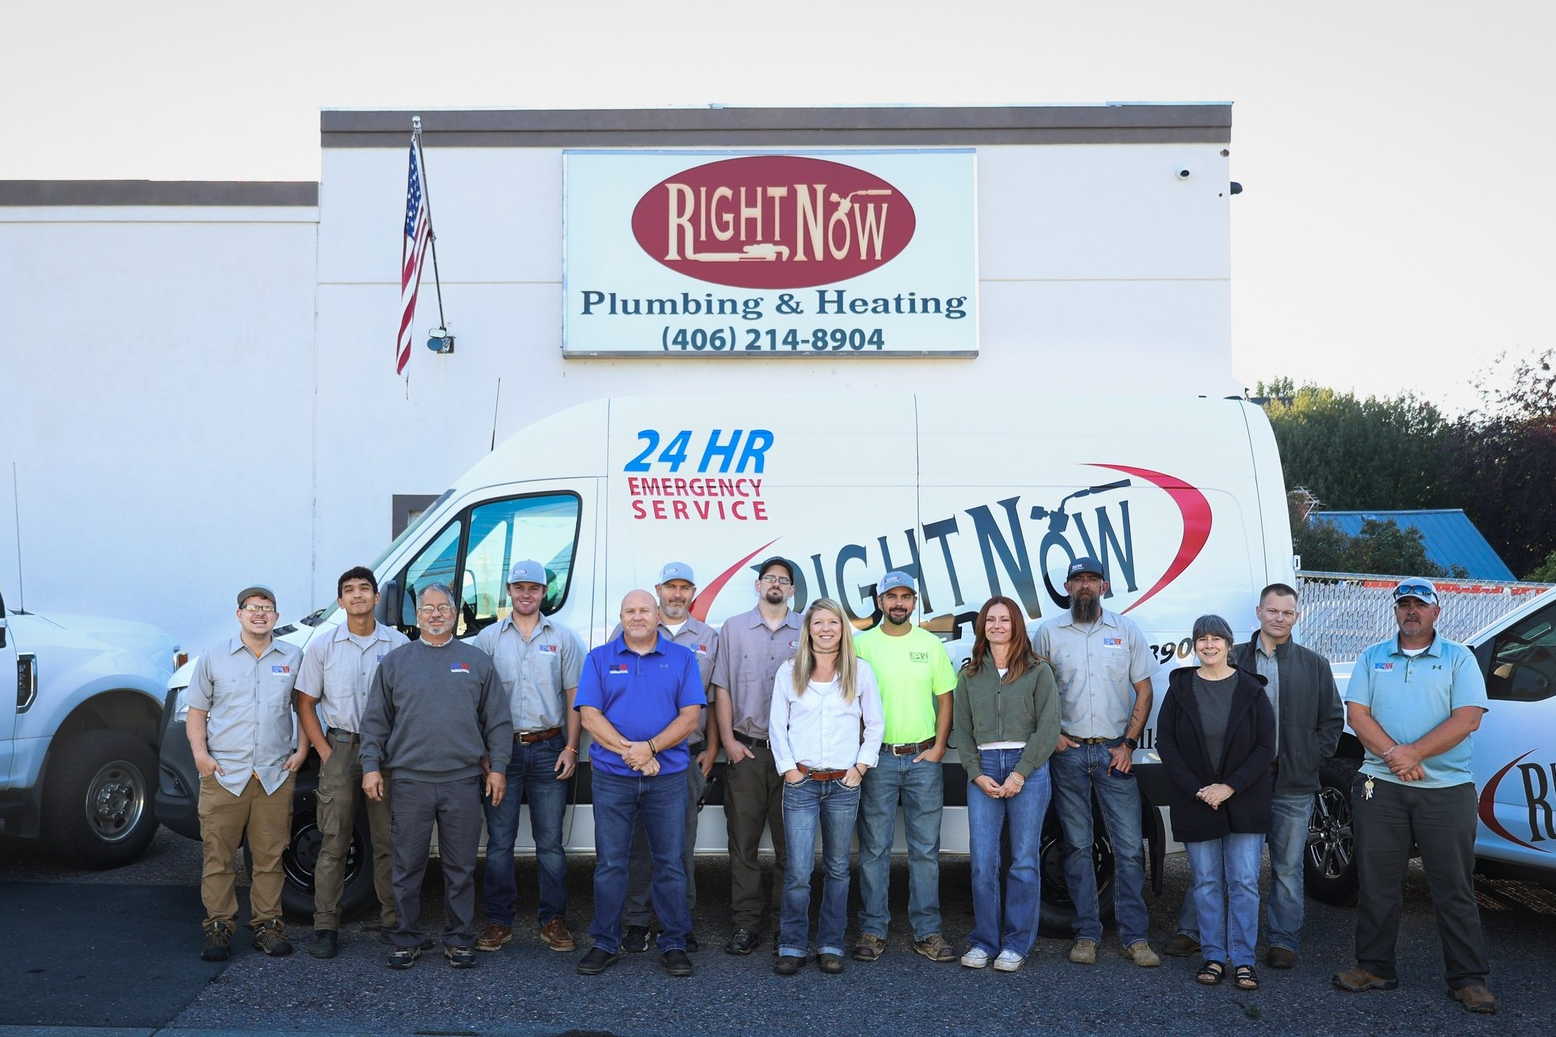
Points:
[(773, 221)]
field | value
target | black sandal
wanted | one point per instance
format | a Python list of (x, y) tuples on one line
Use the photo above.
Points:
[(1210, 973), (1246, 977)]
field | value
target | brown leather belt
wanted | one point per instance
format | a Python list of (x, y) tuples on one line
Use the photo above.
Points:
[(753, 743), (1089, 741), (815, 775), (531, 737), (907, 748)]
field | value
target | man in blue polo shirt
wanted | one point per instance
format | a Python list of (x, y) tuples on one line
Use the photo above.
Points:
[(639, 696), (1414, 701)]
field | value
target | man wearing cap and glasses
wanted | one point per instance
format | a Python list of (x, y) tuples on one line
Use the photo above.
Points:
[(916, 679), (337, 670), (1103, 666), (437, 720), (245, 748), (676, 590), (1414, 701), (538, 662), (752, 646)]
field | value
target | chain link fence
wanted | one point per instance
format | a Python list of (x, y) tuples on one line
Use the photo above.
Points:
[(1343, 613)]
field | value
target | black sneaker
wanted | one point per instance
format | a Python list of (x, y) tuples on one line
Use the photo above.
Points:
[(270, 937), (218, 941), (325, 943), (676, 962), (596, 961), (403, 957), (635, 939), (460, 957)]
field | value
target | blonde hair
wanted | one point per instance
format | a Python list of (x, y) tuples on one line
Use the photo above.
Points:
[(847, 661)]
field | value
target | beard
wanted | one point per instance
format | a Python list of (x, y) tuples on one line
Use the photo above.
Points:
[(1085, 610)]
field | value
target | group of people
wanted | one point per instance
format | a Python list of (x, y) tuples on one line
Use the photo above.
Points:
[(826, 735)]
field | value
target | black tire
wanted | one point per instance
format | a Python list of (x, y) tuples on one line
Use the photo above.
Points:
[(1057, 915), (302, 855), (97, 799), (1329, 862)]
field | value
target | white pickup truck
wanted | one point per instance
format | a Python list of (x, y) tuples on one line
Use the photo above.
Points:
[(78, 749), (1514, 762)]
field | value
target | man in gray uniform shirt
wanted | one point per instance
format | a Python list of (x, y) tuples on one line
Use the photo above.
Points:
[(337, 670), (437, 718), (676, 590), (538, 662), (751, 648)]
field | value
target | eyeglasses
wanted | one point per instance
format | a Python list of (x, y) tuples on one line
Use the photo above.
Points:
[(258, 610), (436, 610), (782, 581)]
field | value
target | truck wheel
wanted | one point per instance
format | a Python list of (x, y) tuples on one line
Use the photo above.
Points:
[(1329, 865), (1057, 915), (97, 806), (302, 856)]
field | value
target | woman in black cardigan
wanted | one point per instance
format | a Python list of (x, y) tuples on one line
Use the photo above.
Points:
[(1216, 736)]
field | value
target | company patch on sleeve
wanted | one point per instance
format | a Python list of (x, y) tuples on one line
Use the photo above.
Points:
[(458, 667)]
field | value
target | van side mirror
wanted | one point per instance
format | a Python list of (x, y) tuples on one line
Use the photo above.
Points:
[(388, 612)]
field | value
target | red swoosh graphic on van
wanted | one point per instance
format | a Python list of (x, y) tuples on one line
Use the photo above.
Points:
[(1196, 522), (704, 598), (1488, 807)]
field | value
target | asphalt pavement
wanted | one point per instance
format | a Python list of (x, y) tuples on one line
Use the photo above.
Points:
[(105, 933)]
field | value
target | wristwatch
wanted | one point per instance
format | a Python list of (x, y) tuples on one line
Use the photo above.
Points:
[(1133, 745)]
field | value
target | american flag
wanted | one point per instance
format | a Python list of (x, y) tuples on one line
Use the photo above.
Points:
[(418, 229)]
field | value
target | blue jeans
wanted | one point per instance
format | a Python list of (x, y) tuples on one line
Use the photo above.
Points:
[(832, 807), (921, 789), (1077, 773), (1225, 889), (531, 775), (1015, 928), (620, 803), (1288, 840)]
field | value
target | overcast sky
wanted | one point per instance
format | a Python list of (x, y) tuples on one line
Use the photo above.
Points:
[(1396, 231)]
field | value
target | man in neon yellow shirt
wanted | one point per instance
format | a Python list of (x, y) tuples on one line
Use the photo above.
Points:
[(915, 677)]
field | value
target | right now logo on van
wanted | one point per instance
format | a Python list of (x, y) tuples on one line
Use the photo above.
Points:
[(773, 222)]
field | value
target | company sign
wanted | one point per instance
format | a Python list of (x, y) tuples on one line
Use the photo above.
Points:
[(827, 253)]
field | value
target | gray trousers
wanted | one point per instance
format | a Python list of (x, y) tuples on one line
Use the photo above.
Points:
[(456, 808), (641, 868), (1441, 823)]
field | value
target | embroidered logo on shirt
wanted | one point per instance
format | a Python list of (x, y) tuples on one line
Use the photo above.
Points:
[(547, 649), (1112, 642), (795, 645), (619, 668), (1382, 666), (280, 669), (458, 667), (918, 657), (702, 649)]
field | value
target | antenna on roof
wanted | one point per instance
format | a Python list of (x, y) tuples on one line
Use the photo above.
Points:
[(16, 504)]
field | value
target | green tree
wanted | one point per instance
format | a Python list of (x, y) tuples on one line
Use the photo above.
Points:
[(1546, 573), (1359, 454), (1383, 548)]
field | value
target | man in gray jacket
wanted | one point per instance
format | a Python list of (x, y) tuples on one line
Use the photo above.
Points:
[(437, 718), (1308, 722)]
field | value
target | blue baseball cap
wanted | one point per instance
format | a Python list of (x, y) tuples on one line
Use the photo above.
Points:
[(894, 579), (1085, 564), (527, 571), (677, 571)]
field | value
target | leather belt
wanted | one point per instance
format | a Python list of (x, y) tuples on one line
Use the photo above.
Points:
[(531, 737), (347, 737), (907, 748), (1090, 741), (753, 743), (815, 775)]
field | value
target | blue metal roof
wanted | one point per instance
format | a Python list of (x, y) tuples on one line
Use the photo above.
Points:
[(1449, 535)]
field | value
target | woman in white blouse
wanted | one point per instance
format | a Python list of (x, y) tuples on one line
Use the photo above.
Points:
[(826, 727)]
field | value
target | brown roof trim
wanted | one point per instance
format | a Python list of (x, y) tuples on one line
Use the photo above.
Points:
[(158, 192), (769, 127)]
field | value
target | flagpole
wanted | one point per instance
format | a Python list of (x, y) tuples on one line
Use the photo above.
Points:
[(432, 230)]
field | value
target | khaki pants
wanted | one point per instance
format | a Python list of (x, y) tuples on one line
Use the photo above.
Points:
[(224, 818), (340, 786)]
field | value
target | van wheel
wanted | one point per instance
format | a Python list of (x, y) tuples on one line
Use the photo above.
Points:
[(1329, 864), (97, 807), (302, 856), (1057, 915)]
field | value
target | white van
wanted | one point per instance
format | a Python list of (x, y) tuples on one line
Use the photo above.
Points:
[(1181, 499)]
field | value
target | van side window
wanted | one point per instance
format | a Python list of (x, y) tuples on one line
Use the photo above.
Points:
[(474, 552), (1523, 660)]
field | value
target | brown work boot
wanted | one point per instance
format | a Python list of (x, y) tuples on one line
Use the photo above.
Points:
[(493, 937), (1141, 954), (270, 937), (1358, 979), (1084, 952), (1475, 998), (869, 947), (1181, 945), (935, 948), (556, 936), (1280, 958)]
